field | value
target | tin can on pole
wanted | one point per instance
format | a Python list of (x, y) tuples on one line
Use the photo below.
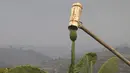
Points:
[(76, 11)]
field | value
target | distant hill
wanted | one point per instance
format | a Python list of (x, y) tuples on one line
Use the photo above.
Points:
[(124, 49), (13, 57)]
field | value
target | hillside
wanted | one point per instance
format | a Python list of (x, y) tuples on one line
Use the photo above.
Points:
[(11, 56)]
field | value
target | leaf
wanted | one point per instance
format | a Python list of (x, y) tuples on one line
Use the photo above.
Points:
[(84, 64), (85, 67), (92, 57), (110, 66)]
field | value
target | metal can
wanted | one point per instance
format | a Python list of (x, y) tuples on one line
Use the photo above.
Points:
[(75, 14)]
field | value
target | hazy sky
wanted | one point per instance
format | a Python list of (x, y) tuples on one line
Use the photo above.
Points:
[(45, 22)]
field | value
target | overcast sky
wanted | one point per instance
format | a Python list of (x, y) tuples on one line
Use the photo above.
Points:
[(45, 22)]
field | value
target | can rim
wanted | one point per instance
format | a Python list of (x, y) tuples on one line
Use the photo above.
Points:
[(77, 4)]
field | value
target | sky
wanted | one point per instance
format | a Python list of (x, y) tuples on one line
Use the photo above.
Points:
[(45, 22)]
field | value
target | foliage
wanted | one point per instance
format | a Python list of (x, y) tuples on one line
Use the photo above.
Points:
[(110, 66), (25, 69), (2, 70), (85, 65)]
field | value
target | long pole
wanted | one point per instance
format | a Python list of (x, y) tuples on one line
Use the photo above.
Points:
[(105, 45)]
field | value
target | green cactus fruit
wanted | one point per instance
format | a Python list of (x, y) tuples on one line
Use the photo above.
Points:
[(73, 35), (25, 69)]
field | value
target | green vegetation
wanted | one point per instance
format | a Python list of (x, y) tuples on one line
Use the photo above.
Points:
[(2, 70), (110, 66), (85, 65), (24, 69)]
